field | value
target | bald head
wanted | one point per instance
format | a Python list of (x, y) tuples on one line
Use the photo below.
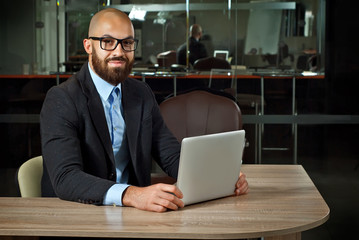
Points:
[(105, 18), (196, 31), (112, 65)]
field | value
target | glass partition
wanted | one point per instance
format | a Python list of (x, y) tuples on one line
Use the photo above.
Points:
[(256, 34), (285, 35), (266, 44)]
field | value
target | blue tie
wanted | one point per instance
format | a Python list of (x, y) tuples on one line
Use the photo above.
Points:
[(114, 115), (118, 136)]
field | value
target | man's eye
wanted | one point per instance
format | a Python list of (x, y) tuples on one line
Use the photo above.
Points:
[(128, 42), (108, 41)]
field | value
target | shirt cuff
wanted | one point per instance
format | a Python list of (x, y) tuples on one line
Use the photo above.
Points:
[(114, 194)]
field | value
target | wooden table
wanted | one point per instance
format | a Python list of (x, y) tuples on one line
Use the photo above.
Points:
[(282, 203)]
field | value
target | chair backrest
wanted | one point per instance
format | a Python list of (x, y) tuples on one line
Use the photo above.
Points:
[(200, 112), (166, 59), (29, 177), (206, 64), (228, 75)]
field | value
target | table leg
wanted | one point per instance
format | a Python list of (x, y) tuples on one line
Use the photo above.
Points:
[(174, 86), (261, 125), (294, 125)]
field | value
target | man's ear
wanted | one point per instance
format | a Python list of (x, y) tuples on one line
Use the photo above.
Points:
[(87, 46)]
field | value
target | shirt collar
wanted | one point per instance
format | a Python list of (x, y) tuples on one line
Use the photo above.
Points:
[(103, 88)]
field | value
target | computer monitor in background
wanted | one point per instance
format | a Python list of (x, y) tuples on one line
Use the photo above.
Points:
[(222, 54)]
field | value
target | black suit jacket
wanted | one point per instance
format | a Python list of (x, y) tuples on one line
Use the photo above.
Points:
[(197, 50), (76, 147)]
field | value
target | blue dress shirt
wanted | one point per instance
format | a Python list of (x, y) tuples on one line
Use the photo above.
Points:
[(111, 101)]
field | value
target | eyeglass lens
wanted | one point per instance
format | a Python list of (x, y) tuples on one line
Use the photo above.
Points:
[(111, 44)]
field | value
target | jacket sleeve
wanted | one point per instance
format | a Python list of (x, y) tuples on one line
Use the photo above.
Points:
[(61, 130)]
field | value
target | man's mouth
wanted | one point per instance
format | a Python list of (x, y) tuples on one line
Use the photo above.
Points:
[(116, 62)]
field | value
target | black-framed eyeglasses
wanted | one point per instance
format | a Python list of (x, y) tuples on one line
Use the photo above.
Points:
[(110, 43)]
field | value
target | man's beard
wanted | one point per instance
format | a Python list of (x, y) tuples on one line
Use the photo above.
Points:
[(113, 76)]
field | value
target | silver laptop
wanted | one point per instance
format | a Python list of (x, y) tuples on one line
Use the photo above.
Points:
[(209, 166)]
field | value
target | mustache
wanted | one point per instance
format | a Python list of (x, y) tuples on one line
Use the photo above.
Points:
[(117, 59)]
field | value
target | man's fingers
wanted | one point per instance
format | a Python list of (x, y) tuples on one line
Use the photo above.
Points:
[(170, 197), (156, 198), (156, 208), (241, 179), (243, 189), (171, 189), (173, 205), (242, 186)]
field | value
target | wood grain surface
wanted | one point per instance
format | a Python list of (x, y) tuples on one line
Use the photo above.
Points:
[(282, 202)]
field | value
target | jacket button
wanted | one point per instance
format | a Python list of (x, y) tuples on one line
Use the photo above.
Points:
[(112, 176)]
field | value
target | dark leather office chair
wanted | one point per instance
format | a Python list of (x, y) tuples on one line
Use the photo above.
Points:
[(166, 59), (200, 112), (196, 113), (206, 64)]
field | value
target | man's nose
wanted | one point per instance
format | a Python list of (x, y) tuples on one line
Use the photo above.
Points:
[(118, 51)]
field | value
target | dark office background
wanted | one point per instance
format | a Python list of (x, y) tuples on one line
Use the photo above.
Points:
[(335, 170), (342, 60)]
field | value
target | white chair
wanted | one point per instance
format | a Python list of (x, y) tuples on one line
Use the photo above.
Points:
[(29, 177)]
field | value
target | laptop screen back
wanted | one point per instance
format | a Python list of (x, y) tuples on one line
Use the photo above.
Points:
[(222, 54), (210, 165)]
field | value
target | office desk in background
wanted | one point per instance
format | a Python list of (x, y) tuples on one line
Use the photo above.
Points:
[(282, 203)]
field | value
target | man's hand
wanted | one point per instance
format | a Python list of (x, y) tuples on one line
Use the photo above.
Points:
[(156, 198), (241, 185)]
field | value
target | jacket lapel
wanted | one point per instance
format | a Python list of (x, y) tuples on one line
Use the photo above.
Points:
[(96, 109)]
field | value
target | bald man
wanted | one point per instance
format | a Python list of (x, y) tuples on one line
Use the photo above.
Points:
[(101, 129), (197, 50)]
